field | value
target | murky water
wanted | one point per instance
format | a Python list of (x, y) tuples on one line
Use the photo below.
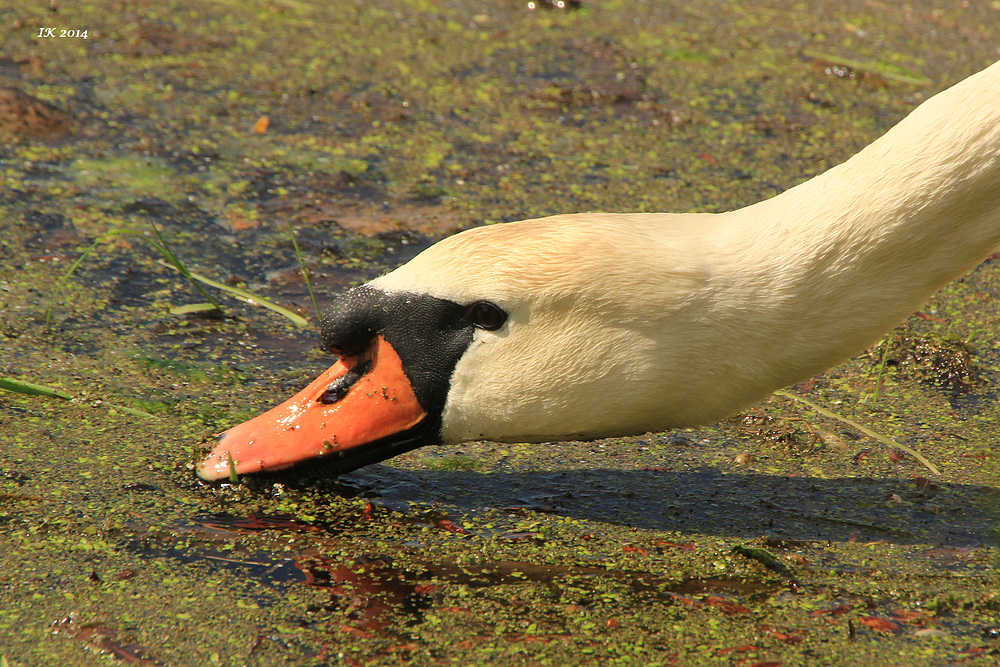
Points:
[(390, 125)]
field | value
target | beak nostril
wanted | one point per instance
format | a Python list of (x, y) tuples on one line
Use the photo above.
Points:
[(336, 391), (339, 387)]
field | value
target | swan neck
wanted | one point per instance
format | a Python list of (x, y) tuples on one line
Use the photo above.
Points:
[(832, 263)]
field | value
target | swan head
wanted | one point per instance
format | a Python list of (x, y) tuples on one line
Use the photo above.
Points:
[(523, 332)]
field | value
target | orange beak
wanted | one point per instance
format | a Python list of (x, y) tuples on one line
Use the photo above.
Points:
[(321, 422)]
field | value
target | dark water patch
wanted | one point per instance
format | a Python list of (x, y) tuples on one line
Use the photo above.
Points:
[(194, 340), (271, 569), (159, 208), (52, 233), (369, 591), (706, 501), (259, 521)]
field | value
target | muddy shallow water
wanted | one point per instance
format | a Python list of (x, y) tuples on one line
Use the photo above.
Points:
[(780, 536)]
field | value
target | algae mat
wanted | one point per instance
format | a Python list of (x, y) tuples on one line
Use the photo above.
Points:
[(781, 536)]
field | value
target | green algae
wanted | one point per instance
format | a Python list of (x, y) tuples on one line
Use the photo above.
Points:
[(134, 174), (615, 552)]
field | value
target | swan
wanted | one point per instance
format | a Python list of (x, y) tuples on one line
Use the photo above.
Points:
[(603, 324)]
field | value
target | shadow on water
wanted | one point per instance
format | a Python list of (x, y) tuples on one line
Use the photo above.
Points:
[(707, 501)]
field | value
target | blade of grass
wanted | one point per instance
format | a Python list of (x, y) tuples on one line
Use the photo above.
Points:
[(244, 295), (762, 556), (21, 387), (192, 308), (867, 431), (170, 257), (881, 368), (127, 410), (233, 477), (32, 389), (879, 69), (302, 265)]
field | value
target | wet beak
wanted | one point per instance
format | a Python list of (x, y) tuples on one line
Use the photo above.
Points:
[(339, 411)]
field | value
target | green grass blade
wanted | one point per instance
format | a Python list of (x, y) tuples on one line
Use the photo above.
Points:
[(867, 431), (170, 257), (762, 556), (31, 389), (881, 368), (193, 308), (302, 265), (248, 297), (233, 477), (21, 387), (883, 70), (127, 410)]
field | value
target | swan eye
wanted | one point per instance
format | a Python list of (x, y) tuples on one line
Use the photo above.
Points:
[(486, 315)]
